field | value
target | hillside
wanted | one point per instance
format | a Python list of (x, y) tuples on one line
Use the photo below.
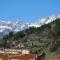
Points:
[(45, 38)]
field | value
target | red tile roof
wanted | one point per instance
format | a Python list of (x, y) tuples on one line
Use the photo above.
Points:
[(4, 56), (24, 57)]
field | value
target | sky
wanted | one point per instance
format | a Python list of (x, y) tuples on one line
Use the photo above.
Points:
[(28, 10)]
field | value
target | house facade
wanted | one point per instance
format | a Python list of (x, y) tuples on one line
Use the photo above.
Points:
[(18, 54)]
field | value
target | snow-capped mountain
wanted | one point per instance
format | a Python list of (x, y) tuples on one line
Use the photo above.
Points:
[(12, 26), (43, 21), (7, 26)]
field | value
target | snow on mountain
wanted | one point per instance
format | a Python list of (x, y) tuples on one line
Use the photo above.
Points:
[(47, 20), (35, 25), (12, 26), (7, 26)]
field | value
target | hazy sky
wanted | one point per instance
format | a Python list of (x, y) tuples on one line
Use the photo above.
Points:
[(28, 10)]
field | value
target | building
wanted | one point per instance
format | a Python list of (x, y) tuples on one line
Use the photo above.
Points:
[(4, 56), (24, 57), (18, 54)]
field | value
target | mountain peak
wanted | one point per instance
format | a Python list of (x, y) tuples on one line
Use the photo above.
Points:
[(43, 21)]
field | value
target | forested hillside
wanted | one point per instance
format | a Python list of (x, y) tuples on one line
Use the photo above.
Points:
[(42, 39)]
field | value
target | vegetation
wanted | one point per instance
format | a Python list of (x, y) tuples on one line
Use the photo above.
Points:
[(43, 39)]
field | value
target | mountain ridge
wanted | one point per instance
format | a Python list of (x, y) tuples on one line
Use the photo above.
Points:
[(7, 26), (45, 37)]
